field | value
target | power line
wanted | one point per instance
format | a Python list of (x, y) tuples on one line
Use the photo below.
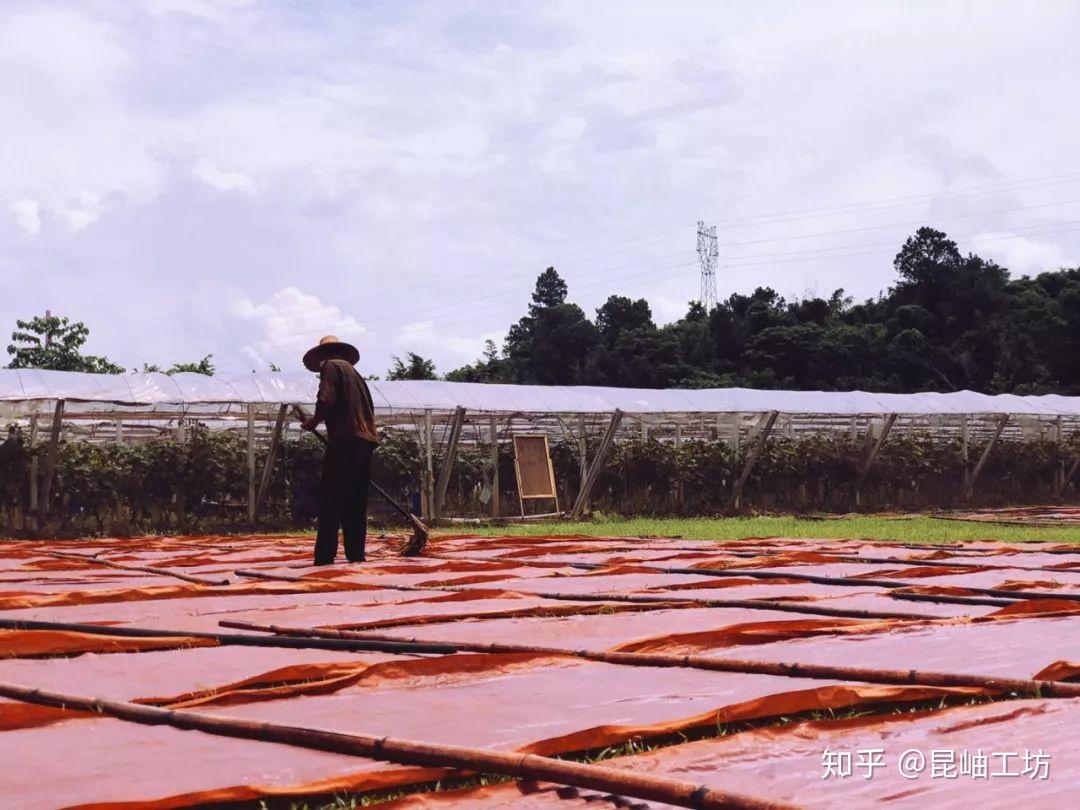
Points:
[(679, 232), (837, 253), (754, 220), (471, 301)]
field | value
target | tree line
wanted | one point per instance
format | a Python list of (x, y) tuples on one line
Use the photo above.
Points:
[(949, 322), (55, 342)]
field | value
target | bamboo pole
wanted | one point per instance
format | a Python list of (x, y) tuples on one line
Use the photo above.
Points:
[(858, 558), (251, 461), (790, 670), (495, 506), (50, 460), (597, 464), (271, 457), (229, 639), (583, 457), (427, 497), (886, 427), (456, 423), (954, 600), (823, 580), (969, 490), (1059, 472), (965, 454), (410, 752), (752, 604), (662, 602), (165, 572), (1068, 477), (751, 460), (35, 503)]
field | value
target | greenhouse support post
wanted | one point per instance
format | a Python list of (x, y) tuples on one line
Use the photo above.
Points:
[(969, 490), (1067, 478), (50, 459), (1059, 473), (251, 461), (597, 464), (678, 482), (427, 493), (751, 459), (886, 426), (964, 451), (271, 458), (457, 421), (583, 454), (34, 523), (494, 467)]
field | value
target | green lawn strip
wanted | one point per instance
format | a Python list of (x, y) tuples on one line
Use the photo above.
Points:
[(902, 529)]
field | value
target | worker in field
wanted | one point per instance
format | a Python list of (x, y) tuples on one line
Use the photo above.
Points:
[(344, 405)]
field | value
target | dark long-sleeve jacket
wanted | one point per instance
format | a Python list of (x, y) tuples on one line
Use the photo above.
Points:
[(344, 403)]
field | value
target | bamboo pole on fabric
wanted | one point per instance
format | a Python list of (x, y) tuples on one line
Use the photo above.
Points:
[(946, 599), (858, 558), (623, 782), (165, 572), (765, 604), (663, 602), (851, 582), (231, 639), (907, 677)]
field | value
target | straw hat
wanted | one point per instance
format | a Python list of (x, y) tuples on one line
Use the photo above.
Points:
[(330, 347)]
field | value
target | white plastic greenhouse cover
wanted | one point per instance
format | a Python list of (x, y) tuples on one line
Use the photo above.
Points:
[(25, 385)]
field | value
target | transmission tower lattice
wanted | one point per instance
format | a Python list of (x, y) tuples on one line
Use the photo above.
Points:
[(708, 253)]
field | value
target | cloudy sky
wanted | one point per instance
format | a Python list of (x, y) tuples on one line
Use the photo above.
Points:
[(239, 178)]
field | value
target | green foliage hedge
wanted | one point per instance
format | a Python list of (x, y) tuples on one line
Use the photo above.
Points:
[(201, 481)]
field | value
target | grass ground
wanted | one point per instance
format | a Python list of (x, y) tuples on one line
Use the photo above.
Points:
[(903, 529)]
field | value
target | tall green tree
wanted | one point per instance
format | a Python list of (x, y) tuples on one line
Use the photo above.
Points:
[(491, 367), (413, 367), (54, 342), (551, 344)]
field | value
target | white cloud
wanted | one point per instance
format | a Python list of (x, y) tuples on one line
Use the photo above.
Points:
[(27, 214), (71, 137), (1020, 254), (209, 173), (86, 209), (291, 322), (428, 339), (417, 155), (665, 309), (212, 10)]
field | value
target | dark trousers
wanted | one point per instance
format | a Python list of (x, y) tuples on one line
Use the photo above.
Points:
[(343, 498)]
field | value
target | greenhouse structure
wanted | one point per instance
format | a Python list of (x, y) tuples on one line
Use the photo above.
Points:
[(54, 406)]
